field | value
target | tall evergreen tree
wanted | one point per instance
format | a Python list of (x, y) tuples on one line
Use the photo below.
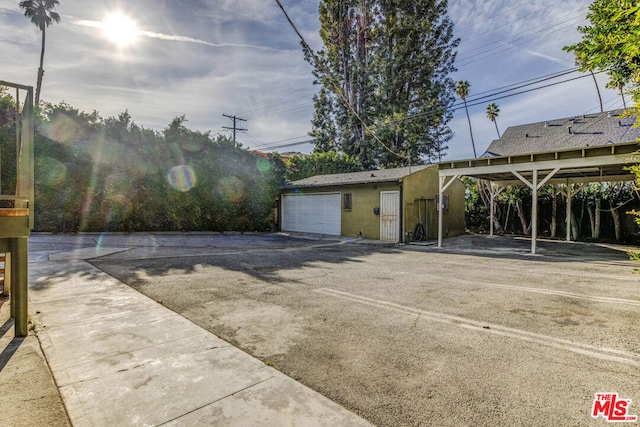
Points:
[(384, 72)]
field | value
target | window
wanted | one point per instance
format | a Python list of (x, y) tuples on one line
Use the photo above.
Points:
[(445, 203), (346, 201)]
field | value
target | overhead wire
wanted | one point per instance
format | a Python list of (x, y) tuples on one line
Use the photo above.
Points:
[(337, 88), (478, 100), (473, 101), (505, 24), (467, 59)]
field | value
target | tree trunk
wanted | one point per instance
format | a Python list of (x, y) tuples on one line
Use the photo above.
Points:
[(485, 189), (592, 221), (40, 70), (575, 226), (616, 222), (473, 144), (595, 218), (497, 131), (523, 219), (598, 89), (598, 214)]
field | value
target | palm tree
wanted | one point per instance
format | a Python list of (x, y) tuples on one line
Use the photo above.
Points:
[(493, 112), (41, 14), (462, 90)]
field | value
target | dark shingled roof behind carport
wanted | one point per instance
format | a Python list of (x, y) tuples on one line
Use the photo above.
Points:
[(589, 130)]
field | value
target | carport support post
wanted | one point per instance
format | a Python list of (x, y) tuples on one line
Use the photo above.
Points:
[(492, 213), (569, 196), (442, 185), (440, 213), (534, 211)]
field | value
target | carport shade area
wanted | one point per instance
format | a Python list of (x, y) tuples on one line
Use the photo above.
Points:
[(570, 167), (312, 213)]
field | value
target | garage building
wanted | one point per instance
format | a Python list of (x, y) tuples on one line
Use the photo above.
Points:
[(389, 204)]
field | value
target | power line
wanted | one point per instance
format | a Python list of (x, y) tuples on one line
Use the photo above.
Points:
[(338, 89), (490, 98), (486, 51), (293, 144), (267, 145), (534, 79)]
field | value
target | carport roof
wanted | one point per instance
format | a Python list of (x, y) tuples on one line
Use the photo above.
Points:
[(366, 177), (605, 161), (586, 164)]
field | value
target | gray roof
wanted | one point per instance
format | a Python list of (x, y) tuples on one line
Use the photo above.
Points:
[(589, 130), (382, 175)]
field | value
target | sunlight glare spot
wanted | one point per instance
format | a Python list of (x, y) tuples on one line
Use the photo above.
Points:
[(120, 29)]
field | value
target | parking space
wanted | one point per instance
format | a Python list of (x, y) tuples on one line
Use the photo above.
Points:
[(476, 333)]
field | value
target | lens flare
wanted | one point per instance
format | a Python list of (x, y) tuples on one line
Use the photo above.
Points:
[(192, 144), (182, 178), (64, 129), (232, 189), (52, 172), (263, 165)]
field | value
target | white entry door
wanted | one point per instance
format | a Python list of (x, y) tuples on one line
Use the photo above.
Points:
[(390, 215)]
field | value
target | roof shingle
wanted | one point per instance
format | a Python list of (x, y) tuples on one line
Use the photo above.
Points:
[(382, 175)]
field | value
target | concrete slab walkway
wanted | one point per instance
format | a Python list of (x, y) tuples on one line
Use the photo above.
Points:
[(120, 358)]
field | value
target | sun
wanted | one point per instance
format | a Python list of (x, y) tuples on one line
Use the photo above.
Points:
[(120, 29)]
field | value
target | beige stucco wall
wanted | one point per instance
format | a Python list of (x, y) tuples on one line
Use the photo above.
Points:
[(361, 218), (419, 191), (419, 196)]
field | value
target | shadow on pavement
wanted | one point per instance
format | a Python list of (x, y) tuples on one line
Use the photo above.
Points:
[(9, 351), (262, 256), (519, 248)]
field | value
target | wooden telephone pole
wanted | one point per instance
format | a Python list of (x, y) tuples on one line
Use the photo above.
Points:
[(235, 127)]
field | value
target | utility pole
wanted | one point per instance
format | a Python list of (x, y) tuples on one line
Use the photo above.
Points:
[(235, 127)]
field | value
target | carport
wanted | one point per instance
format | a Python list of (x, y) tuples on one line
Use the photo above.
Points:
[(572, 166)]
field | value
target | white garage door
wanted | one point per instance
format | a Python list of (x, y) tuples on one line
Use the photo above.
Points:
[(311, 213)]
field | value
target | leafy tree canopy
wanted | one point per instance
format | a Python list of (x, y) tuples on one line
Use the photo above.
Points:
[(384, 70), (97, 174), (611, 43), (330, 162)]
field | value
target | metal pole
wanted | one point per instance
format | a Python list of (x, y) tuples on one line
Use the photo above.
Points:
[(534, 212), (569, 197), (19, 265), (440, 213), (492, 212)]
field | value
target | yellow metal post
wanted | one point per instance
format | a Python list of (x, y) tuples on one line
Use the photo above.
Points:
[(16, 222), (19, 262)]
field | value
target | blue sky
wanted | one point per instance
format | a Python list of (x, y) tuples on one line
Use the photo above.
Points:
[(240, 57)]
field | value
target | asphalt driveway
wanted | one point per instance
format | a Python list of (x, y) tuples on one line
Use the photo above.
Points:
[(477, 333)]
